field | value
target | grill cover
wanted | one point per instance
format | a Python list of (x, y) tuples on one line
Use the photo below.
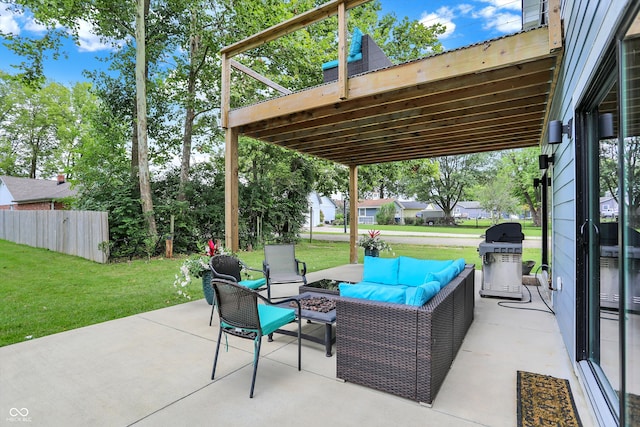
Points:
[(507, 232)]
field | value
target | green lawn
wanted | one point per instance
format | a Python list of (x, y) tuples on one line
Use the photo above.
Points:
[(46, 292)]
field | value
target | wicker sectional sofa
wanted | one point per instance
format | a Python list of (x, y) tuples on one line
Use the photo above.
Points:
[(401, 349)]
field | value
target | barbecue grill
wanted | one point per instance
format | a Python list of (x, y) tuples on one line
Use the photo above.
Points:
[(501, 254), (610, 268)]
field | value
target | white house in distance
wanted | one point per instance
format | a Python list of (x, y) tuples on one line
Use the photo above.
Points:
[(317, 204)]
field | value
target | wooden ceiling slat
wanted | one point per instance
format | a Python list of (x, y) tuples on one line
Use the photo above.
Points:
[(490, 124), (420, 142), (426, 118)]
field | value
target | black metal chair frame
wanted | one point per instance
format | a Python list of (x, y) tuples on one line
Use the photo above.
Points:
[(227, 267), (238, 309)]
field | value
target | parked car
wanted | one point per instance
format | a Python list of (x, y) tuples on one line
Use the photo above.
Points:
[(609, 213)]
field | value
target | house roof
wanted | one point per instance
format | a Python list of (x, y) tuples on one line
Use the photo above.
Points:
[(469, 205), (375, 203), (411, 204), (25, 190)]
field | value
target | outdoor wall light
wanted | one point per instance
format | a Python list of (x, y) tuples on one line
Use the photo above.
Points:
[(537, 182), (556, 129), (605, 126), (544, 160)]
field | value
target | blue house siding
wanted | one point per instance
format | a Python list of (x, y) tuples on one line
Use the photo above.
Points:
[(589, 30)]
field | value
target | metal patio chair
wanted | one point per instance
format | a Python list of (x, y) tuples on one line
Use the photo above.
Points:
[(280, 265), (242, 316), (228, 267)]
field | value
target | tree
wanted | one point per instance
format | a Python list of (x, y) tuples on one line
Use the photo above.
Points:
[(40, 126), (520, 167), (142, 12), (496, 197), (455, 175)]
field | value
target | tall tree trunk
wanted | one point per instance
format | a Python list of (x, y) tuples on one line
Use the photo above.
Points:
[(134, 145), (190, 110), (141, 102)]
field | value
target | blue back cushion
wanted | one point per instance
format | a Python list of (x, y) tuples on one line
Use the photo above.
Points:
[(460, 263), (395, 294), (356, 42), (412, 271), (420, 295), (380, 270), (443, 277)]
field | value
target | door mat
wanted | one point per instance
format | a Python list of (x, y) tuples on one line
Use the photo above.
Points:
[(544, 400)]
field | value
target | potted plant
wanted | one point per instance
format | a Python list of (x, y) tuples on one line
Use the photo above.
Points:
[(372, 243), (198, 266)]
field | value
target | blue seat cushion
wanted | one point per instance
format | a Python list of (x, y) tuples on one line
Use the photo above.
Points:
[(272, 318), (380, 270), (253, 284), (374, 292), (420, 295), (412, 271), (334, 63)]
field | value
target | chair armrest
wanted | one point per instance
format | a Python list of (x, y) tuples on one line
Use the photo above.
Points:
[(245, 267), (265, 269), (282, 301), (304, 267)]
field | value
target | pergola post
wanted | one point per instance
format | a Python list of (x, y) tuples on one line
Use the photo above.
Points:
[(231, 235), (353, 214)]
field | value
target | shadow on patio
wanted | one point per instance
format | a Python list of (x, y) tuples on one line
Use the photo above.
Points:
[(154, 369)]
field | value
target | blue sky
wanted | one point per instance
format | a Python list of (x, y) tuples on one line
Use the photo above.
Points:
[(467, 22)]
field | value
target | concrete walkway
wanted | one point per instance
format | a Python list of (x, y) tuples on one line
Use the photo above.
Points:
[(154, 369)]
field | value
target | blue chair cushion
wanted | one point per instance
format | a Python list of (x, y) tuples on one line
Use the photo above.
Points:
[(356, 42), (420, 295), (380, 270), (412, 271), (272, 318), (253, 284), (373, 292)]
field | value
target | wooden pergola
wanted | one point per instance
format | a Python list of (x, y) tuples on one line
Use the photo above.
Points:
[(486, 97)]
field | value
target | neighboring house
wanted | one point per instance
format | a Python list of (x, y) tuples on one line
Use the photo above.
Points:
[(318, 204), (470, 210), (410, 209), (367, 210), (34, 194), (608, 206)]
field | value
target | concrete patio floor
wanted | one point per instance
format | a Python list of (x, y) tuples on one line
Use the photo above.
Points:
[(154, 369)]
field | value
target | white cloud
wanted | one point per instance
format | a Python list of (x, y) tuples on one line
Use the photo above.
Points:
[(8, 20), (503, 22), (89, 42), (33, 26), (444, 16), (505, 4)]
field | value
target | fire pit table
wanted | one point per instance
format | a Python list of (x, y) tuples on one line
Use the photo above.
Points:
[(316, 307), (326, 286)]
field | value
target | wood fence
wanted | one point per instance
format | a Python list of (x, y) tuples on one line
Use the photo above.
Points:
[(77, 233)]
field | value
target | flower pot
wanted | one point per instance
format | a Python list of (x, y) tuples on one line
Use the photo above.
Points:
[(372, 252), (206, 286)]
